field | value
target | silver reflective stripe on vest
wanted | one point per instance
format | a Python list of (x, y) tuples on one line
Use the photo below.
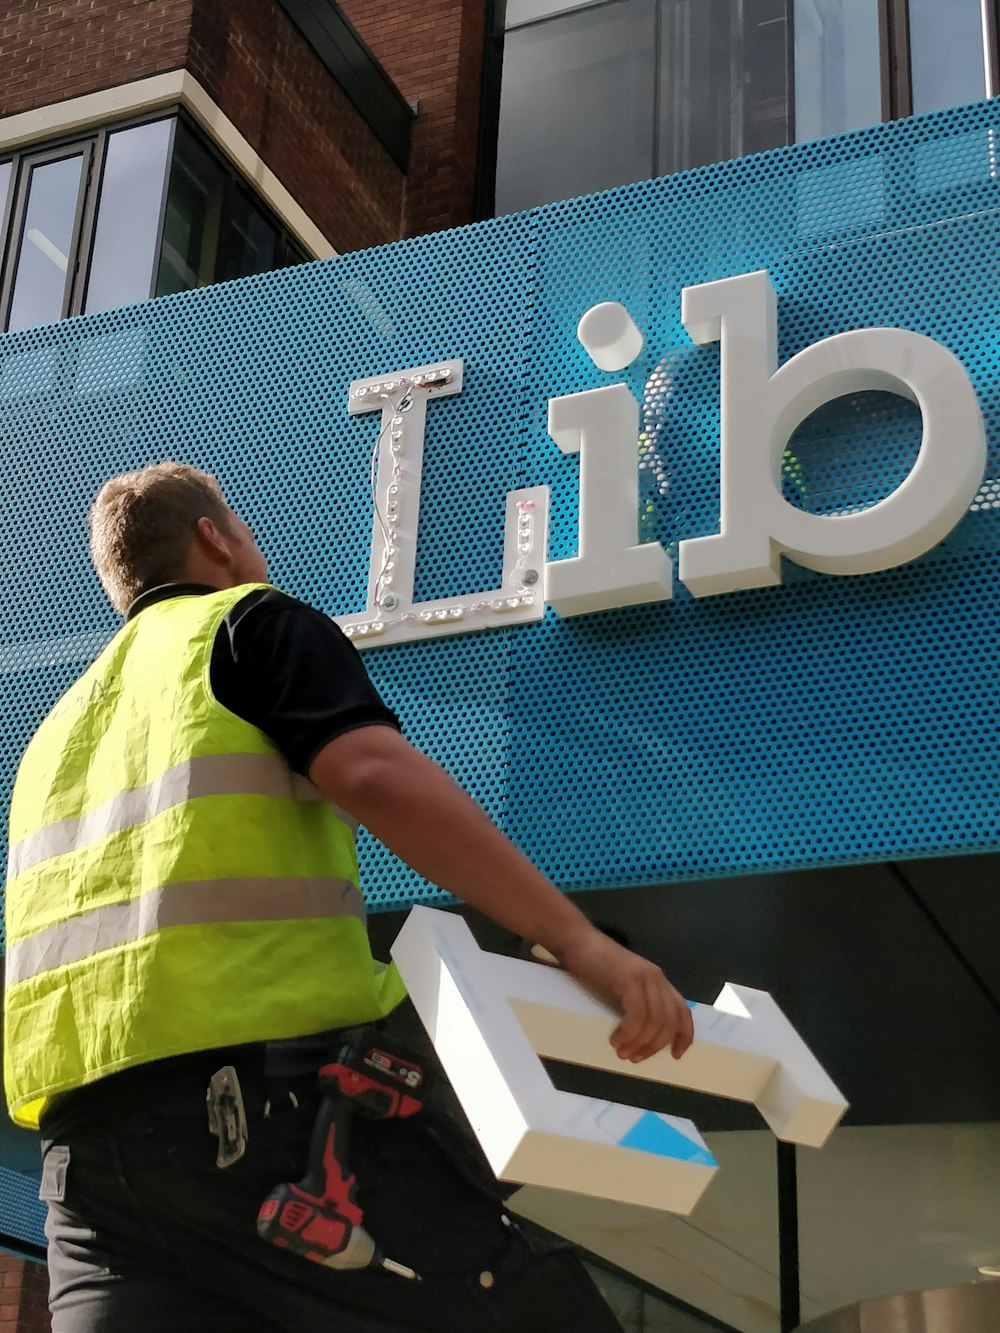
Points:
[(210, 775), (195, 903)]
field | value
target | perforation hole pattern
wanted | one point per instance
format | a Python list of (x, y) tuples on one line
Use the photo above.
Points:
[(826, 721)]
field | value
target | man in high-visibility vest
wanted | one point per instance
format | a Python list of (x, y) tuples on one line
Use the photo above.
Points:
[(183, 895)]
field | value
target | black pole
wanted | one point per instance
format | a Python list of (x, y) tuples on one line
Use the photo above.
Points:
[(788, 1238)]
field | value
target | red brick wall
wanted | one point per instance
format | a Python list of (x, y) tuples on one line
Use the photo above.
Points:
[(258, 68), (255, 64), (433, 51), (24, 1296), (51, 51)]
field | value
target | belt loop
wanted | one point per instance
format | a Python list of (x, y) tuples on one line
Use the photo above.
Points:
[(277, 1092)]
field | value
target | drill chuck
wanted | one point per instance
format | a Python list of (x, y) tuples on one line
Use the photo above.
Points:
[(312, 1228)]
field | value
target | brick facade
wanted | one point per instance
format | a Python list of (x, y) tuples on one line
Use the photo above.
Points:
[(256, 66), (254, 63), (24, 1296), (51, 51), (434, 54)]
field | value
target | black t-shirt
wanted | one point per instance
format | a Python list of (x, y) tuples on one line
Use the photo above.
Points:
[(288, 669)]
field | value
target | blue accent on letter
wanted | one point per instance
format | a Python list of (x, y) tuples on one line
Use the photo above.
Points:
[(654, 1134)]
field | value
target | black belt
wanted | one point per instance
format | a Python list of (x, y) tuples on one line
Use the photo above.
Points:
[(174, 1088)]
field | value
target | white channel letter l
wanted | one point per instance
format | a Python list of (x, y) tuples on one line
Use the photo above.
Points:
[(762, 406)]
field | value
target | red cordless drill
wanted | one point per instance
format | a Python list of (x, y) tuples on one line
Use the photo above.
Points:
[(319, 1217)]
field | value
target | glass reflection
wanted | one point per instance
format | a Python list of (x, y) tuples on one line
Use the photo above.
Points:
[(128, 219), (4, 189), (46, 243), (599, 97), (722, 81), (527, 11), (947, 52), (193, 218), (575, 105), (837, 71), (248, 243)]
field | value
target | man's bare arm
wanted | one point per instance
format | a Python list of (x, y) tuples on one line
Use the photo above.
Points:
[(409, 803)]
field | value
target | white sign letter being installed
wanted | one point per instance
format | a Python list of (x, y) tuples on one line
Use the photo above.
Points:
[(490, 1017)]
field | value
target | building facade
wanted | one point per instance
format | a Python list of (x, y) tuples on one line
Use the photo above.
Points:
[(774, 769), (152, 148)]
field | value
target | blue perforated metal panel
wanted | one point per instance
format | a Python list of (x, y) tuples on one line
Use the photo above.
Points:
[(825, 721), (22, 1214)]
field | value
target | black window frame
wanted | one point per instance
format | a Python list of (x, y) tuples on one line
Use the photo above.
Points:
[(350, 61), (23, 164), (894, 59), (991, 12)]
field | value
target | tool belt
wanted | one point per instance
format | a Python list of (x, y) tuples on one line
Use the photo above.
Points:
[(265, 1078), (169, 1089)]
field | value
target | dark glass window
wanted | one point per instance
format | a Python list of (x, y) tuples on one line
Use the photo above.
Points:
[(193, 219), (575, 104), (213, 228), (249, 243), (290, 253), (46, 253)]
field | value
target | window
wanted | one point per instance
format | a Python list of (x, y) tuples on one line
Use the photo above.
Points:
[(248, 243), (128, 227), (213, 229), (40, 280), (193, 218), (5, 174), (123, 214), (574, 103), (600, 93), (838, 82), (723, 83), (946, 53), (622, 90)]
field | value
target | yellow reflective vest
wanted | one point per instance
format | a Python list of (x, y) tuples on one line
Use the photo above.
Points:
[(172, 885)]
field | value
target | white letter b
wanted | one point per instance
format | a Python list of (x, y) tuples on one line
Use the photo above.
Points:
[(761, 408)]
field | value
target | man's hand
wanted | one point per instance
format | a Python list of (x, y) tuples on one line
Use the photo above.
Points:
[(654, 1015)]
